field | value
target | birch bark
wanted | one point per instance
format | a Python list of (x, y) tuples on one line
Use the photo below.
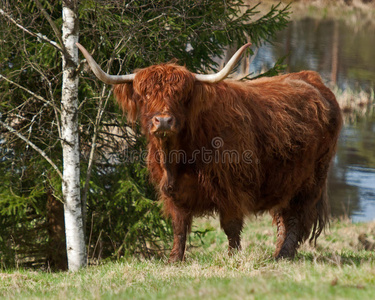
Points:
[(75, 241)]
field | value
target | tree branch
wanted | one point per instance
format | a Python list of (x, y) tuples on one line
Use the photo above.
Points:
[(30, 92), (55, 108), (36, 35), (35, 147), (93, 148), (95, 135), (54, 27)]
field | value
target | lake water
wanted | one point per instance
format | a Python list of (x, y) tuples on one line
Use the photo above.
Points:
[(344, 56)]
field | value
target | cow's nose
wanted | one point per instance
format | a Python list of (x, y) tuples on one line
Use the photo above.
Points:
[(163, 123)]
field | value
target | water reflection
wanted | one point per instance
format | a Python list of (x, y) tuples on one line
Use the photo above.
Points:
[(344, 57), (341, 54), (352, 175)]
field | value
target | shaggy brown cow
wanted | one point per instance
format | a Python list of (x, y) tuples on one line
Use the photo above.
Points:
[(235, 147)]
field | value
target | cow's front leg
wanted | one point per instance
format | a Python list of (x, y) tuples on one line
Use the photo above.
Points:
[(181, 223)]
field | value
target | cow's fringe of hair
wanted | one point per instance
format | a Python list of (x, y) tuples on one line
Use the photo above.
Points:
[(124, 95)]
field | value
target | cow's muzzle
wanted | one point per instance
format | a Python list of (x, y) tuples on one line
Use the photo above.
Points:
[(163, 125)]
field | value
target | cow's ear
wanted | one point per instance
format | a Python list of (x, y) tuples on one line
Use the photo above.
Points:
[(127, 101)]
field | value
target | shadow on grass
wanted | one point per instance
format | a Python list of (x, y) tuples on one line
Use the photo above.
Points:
[(337, 258)]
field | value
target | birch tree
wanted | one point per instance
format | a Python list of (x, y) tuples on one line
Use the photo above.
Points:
[(74, 230), (66, 118)]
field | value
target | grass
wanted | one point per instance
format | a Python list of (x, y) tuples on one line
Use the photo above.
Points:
[(339, 268)]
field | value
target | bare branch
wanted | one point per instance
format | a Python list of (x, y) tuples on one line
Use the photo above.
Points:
[(53, 26), (93, 147), (96, 132), (39, 36), (31, 93), (55, 108), (35, 147)]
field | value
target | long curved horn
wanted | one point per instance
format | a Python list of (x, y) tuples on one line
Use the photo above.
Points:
[(212, 78), (103, 76)]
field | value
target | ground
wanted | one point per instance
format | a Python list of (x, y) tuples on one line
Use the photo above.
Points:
[(338, 268)]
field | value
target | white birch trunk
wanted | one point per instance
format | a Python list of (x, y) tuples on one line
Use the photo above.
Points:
[(74, 231)]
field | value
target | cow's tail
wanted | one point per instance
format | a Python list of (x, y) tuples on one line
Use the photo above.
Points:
[(322, 209)]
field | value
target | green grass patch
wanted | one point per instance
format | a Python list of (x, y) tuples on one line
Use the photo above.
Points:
[(338, 268)]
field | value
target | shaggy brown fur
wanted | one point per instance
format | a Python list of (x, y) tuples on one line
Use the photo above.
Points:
[(250, 147)]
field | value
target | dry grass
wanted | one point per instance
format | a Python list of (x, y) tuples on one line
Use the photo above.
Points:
[(338, 268), (355, 104)]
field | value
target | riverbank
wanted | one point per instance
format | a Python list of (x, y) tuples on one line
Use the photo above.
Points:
[(357, 13), (350, 4), (355, 104)]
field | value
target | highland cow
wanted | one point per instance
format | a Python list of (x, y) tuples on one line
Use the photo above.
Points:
[(248, 147)]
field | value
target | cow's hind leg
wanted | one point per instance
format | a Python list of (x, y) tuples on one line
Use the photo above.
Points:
[(307, 213), (289, 235), (281, 231), (232, 226)]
